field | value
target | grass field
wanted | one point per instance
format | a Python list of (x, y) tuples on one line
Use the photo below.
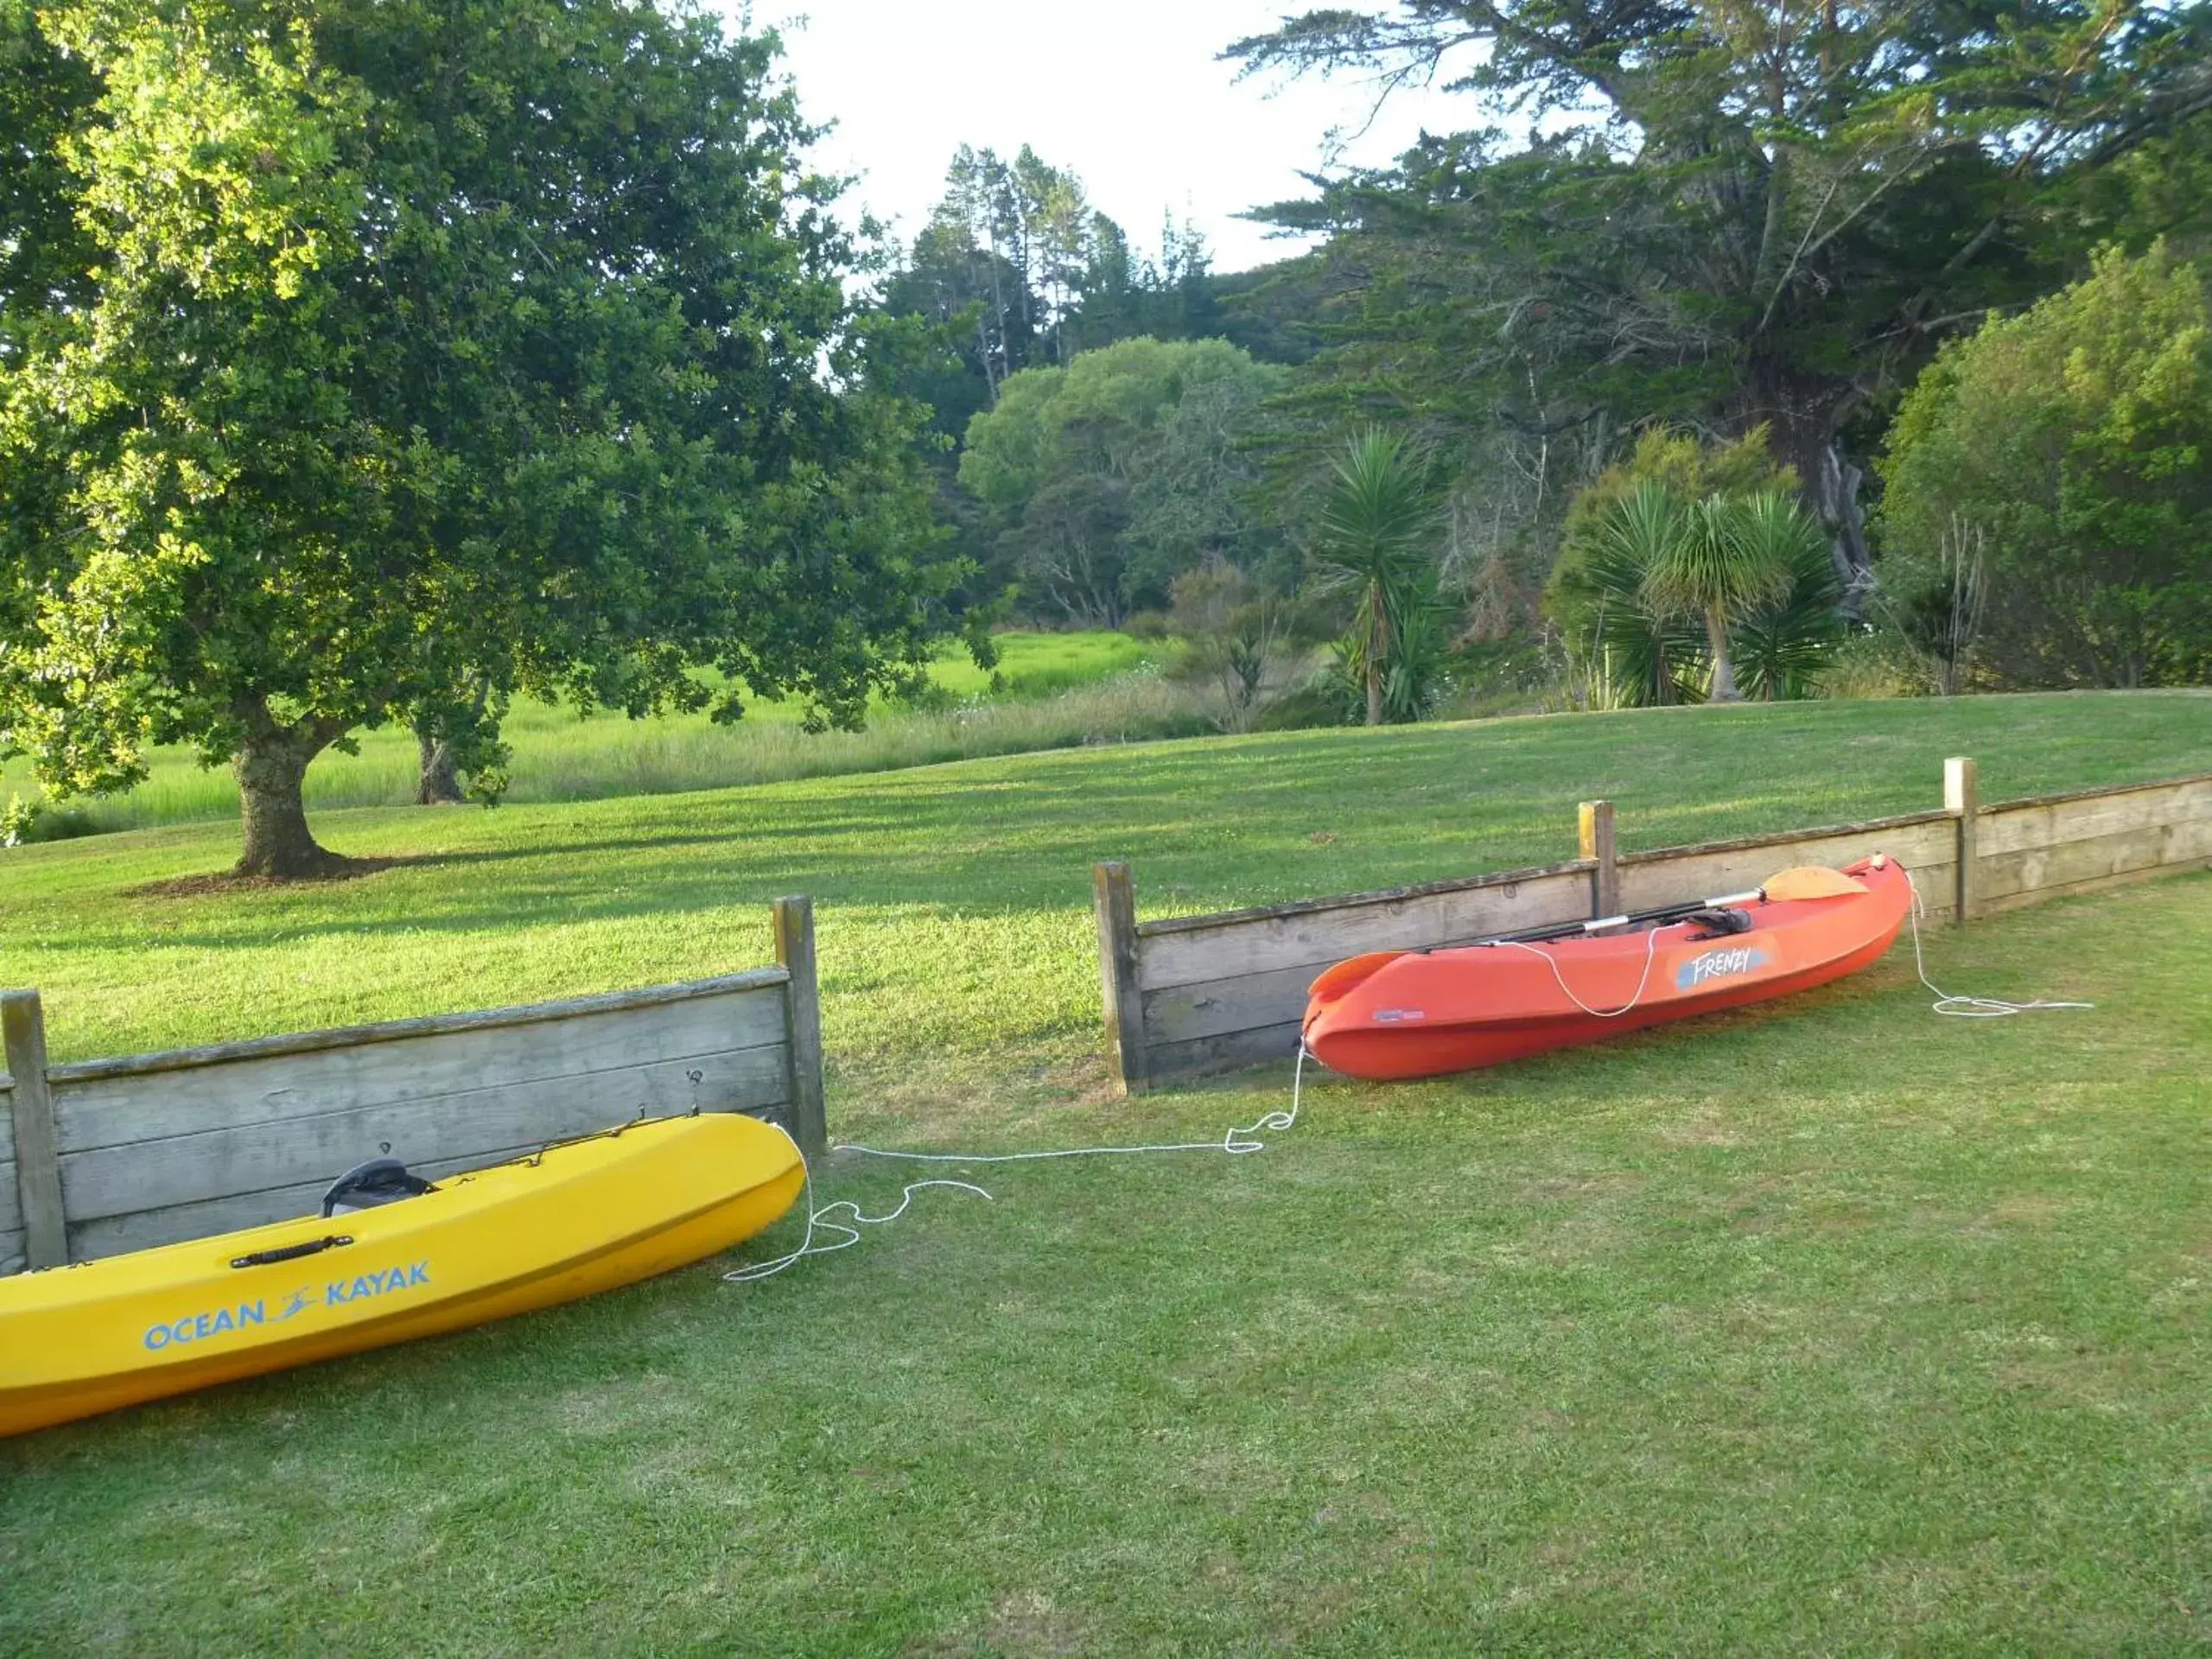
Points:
[(1049, 690), (1832, 1326)]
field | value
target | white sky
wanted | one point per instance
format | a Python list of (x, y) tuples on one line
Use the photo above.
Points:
[(1127, 94)]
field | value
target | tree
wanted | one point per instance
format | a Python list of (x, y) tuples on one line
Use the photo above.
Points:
[(1376, 539), (1686, 561), (1733, 212), (2077, 437), (1109, 478), (1722, 558), (433, 353)]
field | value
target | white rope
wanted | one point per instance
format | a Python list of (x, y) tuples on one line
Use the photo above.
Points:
[(1966, 1007), (1236, 1141), (1651, 952)]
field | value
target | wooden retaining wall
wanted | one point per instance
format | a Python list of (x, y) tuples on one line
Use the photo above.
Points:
[(105, 1156), (1188, 995)]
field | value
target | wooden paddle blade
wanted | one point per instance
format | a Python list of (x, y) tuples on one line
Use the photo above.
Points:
[(1336, 980), (1810, 881)]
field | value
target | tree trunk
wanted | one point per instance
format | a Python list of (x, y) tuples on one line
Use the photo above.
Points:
[(1378, 646), (1723, 671), (1835, 484), (440, 779), (1803, 415), (271, 767)]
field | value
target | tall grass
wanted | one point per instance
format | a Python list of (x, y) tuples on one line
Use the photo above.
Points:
[(559, 757)]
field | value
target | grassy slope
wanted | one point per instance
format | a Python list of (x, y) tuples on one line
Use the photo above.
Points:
[(1828, 1326), (953, 900), (561, 757)]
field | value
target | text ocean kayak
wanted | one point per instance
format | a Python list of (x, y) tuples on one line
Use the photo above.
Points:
[(1423, 1013), (581, 1216)]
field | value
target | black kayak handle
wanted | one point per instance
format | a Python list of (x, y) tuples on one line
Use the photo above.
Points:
[(291, 1252)]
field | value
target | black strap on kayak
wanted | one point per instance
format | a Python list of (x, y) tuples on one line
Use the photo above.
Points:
[(290, 1252), (1720, 923)]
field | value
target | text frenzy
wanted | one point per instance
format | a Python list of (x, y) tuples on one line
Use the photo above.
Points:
[(1718, 964)]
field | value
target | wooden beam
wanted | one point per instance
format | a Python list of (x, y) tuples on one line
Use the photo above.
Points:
[(1114, 899), (1961, 799), (399, 1031), (1596, 826), (38, 1171), (795, 950)]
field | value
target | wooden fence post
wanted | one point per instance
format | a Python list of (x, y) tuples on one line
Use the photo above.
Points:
[(1961, 799), (803, 1024), (1113, 898), (38, 1171), (1596, 823)]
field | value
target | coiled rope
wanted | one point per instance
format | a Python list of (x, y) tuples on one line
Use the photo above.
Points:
[(1968, 1008)]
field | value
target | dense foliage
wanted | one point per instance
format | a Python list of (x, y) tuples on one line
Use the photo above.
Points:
[(2077, 438), (1737, 213), (423, 354), (1104, 480)]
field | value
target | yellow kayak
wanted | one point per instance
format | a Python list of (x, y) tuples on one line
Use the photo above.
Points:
[(579, 1217)]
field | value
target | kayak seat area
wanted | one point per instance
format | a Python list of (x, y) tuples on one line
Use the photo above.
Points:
[(365, 1186)]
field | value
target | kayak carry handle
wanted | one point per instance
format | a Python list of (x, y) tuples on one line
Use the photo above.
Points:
[(291, 1252)]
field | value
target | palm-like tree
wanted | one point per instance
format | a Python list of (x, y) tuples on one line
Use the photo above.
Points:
[(1376, 533), (1723, 557), (1640, 645), (1781, 644)]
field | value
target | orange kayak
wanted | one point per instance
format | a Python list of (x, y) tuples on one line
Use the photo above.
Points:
[(1418, 1013)]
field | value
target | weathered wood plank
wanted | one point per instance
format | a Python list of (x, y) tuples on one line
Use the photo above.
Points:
[(1317, 934), (1114, 908), (30, 1109), (2012, 829), (1924, 843), (2068, 864), (1228, 1052), (1182, 1012), (121, 1109), (2013, 901), (2101, 791), (1874, 827), (193, 1168), (1381, 896), (146, 1230), (11, 1209), (11, 1253), (393, 1031), (802, 1026)]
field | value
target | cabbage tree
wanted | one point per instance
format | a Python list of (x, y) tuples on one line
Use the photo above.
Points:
[(1376, 539)]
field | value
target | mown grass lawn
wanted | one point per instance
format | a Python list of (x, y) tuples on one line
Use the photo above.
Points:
[(1828, 1326)]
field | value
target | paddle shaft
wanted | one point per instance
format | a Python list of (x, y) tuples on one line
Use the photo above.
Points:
[(1664, 913)]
